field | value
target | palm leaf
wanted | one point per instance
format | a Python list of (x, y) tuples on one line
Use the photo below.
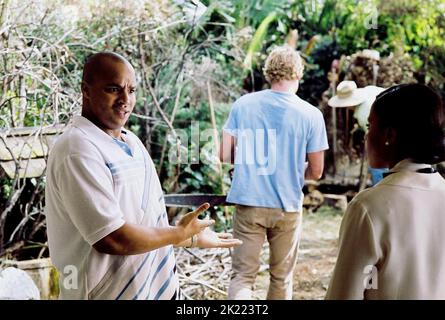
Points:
[(257, 40)]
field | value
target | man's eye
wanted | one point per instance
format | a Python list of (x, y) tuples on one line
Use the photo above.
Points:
[(113, 90), (132, 90)]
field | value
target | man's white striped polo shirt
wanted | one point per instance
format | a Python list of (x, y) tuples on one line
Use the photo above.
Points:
[(93, 188)]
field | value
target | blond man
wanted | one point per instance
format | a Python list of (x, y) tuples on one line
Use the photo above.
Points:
[(274, 133)]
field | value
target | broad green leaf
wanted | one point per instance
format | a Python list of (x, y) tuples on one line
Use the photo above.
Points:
[(257, 40)]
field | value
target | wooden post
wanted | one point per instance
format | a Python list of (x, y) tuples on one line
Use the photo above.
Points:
[(334, 120)]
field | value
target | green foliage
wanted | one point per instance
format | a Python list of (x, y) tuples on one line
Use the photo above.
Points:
[(258, 38)]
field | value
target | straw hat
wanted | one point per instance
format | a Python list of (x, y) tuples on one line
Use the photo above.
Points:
[(371, 54), (361, 112), (348, 95)]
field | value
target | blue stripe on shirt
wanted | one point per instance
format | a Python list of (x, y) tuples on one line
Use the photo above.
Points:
[(142, 264), (120, 163), (134, 275), (163, 287), (124, 146), (160, 216), (161, 264), (131, 164)]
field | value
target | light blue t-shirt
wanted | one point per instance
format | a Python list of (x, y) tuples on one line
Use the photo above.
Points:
[(274, 132)]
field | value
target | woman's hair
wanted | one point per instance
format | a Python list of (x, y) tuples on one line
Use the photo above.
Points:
[(283, 63), (416, 112)]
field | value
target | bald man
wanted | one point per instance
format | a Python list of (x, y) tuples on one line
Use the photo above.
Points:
[(107, 226)]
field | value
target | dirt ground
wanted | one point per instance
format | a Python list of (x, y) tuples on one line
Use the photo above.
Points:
[(317, 256), (316, 260)]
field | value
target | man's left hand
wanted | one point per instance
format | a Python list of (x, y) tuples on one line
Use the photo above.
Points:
[(210, 239)]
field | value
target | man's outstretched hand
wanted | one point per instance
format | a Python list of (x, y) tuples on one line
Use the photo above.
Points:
[(190, 225), (210, 239)]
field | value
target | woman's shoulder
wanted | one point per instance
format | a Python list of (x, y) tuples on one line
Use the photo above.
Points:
[(367, 196), (373, 201)]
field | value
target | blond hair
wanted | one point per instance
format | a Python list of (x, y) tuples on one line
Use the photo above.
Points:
[(283, 63)]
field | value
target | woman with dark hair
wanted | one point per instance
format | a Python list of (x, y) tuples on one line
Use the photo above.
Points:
[(392, 235)]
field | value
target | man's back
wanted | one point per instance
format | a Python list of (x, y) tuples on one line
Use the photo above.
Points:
[(274, 131)]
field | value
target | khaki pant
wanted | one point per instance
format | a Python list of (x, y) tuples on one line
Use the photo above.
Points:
[(282, 229)]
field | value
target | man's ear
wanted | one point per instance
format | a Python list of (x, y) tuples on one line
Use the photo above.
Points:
[(85, 90)]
